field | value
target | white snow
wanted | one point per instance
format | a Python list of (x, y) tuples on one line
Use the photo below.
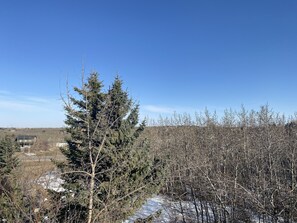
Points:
[(170, 210), (51, 181), (30, 154), (61, 144), (151, 206)]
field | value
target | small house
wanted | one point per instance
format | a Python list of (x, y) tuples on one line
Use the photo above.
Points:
[(26, 140)]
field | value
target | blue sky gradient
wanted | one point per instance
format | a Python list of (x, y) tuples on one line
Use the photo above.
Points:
[(172, 55)]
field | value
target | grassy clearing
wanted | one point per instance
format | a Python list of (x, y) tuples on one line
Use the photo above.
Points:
[(32, 170)]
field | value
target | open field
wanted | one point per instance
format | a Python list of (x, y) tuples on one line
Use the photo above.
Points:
[(51, 135), (36, 161), (46, 143)]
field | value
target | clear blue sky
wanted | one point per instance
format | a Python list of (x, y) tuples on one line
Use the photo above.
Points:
[(172, 55)]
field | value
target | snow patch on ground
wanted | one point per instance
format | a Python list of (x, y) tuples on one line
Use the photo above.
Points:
[(170, 210), (150, 207), (30, 154), (51, 181)]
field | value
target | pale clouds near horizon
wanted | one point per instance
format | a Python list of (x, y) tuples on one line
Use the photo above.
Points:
[(30, 111), (28, 103), (158, 109), (4, 92), (36, 111)]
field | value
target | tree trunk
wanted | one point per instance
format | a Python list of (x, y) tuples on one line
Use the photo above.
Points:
[(92, 185)]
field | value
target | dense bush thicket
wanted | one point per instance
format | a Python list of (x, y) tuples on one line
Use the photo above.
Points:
[(236, 169)]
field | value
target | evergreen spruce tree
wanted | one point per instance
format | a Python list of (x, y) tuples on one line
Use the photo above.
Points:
[(109, 171), (7, 159), (12, 208)]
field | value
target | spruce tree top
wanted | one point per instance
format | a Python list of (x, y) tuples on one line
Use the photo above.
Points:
[(109, 171)]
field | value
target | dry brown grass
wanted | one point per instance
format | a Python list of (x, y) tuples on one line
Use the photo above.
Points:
[(32, 170), (45, 149), (51, 134), (28, 174), (46, 137)]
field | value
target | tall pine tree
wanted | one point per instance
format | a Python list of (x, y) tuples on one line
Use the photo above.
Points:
[(109, 172), (7, 159), (13, 208)]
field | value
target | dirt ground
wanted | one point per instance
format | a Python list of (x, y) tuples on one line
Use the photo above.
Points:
[(37, 160)]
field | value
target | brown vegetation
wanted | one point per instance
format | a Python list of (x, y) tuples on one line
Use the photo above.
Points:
[(233, 169), (240, 167)]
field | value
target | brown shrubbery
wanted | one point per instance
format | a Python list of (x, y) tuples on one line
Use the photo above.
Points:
[(240, 167)]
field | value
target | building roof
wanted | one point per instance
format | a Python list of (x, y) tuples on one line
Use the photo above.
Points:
[(25, 137)]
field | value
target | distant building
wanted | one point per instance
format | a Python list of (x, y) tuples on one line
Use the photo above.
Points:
[(26, 140)]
